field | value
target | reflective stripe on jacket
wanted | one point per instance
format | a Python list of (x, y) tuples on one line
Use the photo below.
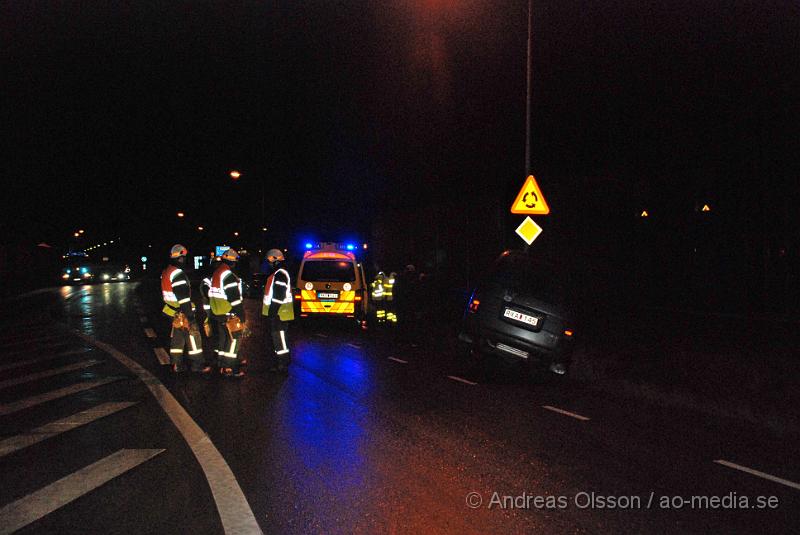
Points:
[(225, 293), (176, 291), (277, 291)]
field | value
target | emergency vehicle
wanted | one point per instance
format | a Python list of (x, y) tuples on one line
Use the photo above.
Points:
[(331, 283)]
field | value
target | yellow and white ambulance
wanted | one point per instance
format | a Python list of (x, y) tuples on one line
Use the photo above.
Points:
[(331, 283)]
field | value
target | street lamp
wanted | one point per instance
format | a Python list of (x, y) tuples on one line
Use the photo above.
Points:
[(181, 214), (199, 228), (235, 174)]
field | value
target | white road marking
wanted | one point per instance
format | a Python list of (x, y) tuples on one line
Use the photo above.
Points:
[(10, 408), (143, 320), (757, 473), (48, 373), (12, 444), (566, 413), (355, 346), (461, 380), (321, 335), (232, 507), (401, 361), (161, 355), (36, 505), (150, 332), (22, 363)]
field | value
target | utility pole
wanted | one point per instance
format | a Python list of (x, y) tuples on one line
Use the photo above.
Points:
[(528, 96)]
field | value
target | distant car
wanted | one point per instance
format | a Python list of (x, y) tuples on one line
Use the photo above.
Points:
[(253, 287), (111, 273), (521, 312), (77, 273)]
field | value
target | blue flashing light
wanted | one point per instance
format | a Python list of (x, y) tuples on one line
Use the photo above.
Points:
[(84, 269), (350, 247), (309, 245)]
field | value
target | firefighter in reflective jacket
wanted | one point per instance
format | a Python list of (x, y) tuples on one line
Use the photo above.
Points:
[(378, 296), (177, 293), (209, 325), (388, 296), (225, 299), (278, 309)]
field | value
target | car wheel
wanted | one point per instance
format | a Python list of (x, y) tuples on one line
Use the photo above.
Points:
[(538, 372), (471, 360)]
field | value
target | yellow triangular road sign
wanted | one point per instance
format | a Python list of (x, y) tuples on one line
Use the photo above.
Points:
[(530, 199)]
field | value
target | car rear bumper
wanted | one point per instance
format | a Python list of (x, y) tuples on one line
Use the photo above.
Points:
[(498, 344)]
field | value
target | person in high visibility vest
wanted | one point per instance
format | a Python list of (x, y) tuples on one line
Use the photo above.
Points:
[(278, 308), (225, 299), (177, 293), (388, 295), (209, 324), (378, 295)]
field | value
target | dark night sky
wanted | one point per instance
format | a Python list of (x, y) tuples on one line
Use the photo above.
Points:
[(123, 112)]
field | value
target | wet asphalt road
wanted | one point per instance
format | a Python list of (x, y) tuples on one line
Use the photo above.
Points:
[(368, 434)]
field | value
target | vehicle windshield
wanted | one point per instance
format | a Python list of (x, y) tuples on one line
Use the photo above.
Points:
[(328, 271), (536, 280)]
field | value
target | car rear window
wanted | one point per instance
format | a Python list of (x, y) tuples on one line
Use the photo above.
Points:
[(540, 281), (328, 271)]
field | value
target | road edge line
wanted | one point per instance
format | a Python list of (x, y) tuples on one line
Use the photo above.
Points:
[(232, 506)]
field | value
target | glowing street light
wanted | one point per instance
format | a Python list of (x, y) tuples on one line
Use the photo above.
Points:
[(235, 174), (236, 233), (81, 231), (181, 214), (76, 234), (199, 228)]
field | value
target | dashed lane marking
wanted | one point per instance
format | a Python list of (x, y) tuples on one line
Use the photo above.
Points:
[(566, 413), (27, 362), (18, 442), (48, 373), (16, 406), (321, 335), (401, 361), (234, 511), (758, 473), (461, 380), (36, 505), (355, 346), (161, 355), (150, 332)]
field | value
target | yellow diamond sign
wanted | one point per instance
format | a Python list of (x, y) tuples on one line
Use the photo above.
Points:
[(529, 230)]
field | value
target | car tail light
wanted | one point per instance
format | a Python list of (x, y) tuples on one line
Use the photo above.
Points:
[(298, 296), (358, 298), (473, 305)]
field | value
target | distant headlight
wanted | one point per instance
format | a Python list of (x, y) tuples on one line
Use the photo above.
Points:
[(347, 287), (120, 275), (309, 286), (106, 276), (87, 275), (65, 276)]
